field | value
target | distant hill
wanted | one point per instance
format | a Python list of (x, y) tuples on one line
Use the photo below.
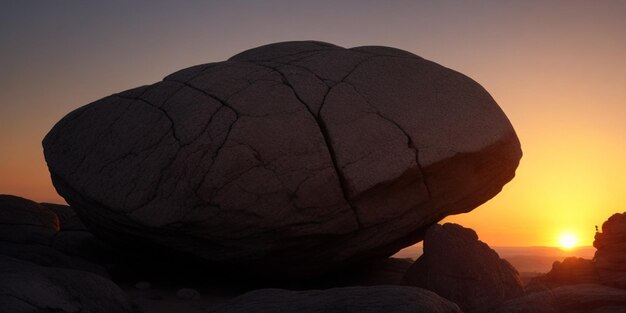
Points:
[(525, 259)]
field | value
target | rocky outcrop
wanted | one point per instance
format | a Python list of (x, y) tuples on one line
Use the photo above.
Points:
[(610, 259), (25, 221), (49, 235), (580, 285), (293, 157), (608, 266), (570, 271), (37, 277), (350, 299), (26, 287), (461, 268), (588, 298)]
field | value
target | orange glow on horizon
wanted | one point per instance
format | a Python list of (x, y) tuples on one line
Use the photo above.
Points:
[(566, 177)]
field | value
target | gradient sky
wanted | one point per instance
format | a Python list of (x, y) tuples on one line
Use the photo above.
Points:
[(558, 70)]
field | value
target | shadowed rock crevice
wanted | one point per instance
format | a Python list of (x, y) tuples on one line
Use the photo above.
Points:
[(158, 108)]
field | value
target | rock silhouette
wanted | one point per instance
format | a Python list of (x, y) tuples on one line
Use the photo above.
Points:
[(570, 271), (461, 268), (580, 285), (295, 157), (610, 259)]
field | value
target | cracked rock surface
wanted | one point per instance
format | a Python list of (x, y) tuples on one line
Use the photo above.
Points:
[(294, 157)]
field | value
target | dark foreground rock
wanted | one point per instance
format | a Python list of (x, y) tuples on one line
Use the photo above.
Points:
[(35, 233), (295, 157), (47, 256), (73, 238), (580, 298), (37, 277), (461, 268), (350, 299), (381, 272), (25, 221), (68, 220), (26, 287), (610, 259)]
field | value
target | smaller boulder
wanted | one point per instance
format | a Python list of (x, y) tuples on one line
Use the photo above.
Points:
[(26, 221), (461, 268), (397, 299)]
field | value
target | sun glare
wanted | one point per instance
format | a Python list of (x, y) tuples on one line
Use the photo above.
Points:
[(568, 240)]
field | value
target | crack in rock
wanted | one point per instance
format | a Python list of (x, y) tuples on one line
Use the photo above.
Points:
[(410, 143), (328, 141)]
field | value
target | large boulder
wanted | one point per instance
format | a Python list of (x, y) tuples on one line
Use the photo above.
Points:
[(293, 157), (349, 299), (461, 268), (610, 258)]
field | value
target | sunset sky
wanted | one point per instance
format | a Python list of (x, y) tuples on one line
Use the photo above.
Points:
[(557, 69)]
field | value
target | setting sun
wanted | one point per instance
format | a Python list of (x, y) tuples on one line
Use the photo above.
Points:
[(567, 240)]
